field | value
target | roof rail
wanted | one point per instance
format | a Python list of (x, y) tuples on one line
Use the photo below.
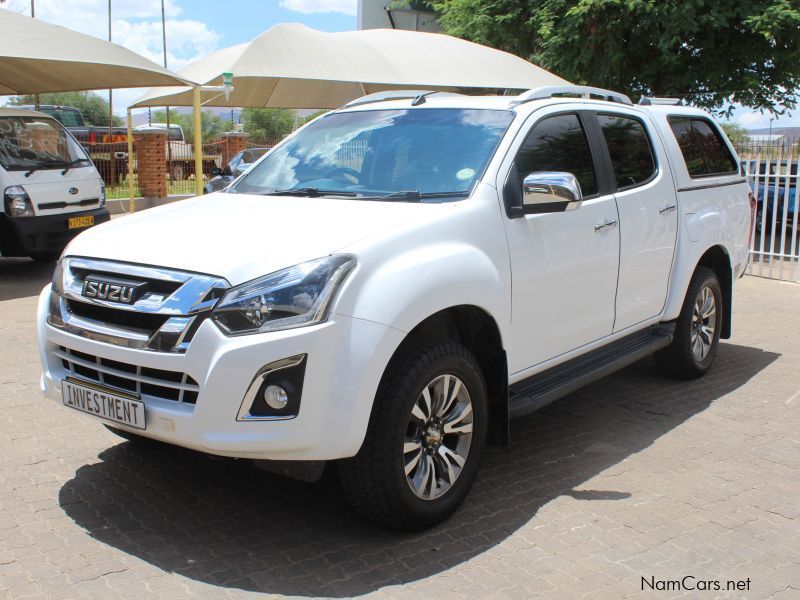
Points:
[(652, 100), (417, 95), (584, 91)]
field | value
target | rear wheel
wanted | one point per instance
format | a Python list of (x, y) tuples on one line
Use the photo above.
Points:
[(697, 329), (427, 433)]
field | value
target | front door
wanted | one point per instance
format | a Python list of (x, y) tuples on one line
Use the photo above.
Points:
[(563, 265)]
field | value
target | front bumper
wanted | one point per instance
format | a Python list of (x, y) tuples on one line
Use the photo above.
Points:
[(43, 234), (345, 359)]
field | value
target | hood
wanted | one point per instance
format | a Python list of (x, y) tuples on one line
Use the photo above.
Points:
[(241, 237)]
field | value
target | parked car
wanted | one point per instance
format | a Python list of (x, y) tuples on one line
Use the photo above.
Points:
[(51, 190), (180, 153), (393, 282), (775, 185), (107, 147), (241, 161)]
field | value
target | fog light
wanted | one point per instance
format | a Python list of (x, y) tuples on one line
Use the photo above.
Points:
[(276, 397)]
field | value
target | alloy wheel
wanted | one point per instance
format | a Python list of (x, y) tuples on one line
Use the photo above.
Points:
[(438, 437), (704, 323)]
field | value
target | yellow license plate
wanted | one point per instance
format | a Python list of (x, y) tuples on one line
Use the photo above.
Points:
[(78, 222)]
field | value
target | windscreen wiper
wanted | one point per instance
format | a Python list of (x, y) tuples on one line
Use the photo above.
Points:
[(73, 163), (43, 165), (311, 192), (417, 196)]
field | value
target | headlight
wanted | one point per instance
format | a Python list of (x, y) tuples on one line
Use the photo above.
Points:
[(17, 202), (293, 297)]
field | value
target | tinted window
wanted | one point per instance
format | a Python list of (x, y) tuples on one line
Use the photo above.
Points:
[(702, 147), (558, 144), (629, 147)]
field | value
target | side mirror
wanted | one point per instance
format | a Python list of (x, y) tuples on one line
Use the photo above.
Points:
[(216, 171), (549, 192), (226, 171)]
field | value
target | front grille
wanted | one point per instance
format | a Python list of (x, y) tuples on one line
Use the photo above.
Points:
[(166, 311), (147, 323), (157, 383)]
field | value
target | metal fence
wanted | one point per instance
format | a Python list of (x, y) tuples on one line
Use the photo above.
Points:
[(772, 171)]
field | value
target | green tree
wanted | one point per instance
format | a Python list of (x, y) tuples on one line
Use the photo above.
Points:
[(212, 125), (711, 52), (268, 124), (94, 108), (735, 132)]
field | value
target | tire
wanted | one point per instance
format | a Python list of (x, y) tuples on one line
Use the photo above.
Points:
[(402, 437), (688, 357)]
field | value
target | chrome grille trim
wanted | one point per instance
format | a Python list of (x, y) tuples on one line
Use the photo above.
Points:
[(191, 299), (193, 287)]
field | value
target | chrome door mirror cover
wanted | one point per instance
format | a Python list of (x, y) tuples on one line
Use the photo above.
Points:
[(550, 191)]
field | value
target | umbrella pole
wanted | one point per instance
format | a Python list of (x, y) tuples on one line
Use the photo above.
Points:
[(132, 205), (198, 143)]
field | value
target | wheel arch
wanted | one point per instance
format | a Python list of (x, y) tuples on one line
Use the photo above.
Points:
[(717, 259), (478, 331)]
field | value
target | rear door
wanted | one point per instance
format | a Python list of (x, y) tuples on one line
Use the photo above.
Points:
[(648, 214)]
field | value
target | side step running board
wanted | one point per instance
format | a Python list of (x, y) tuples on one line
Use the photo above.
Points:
[(531, 394)]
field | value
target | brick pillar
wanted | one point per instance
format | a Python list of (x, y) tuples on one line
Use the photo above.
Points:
[(151, 162), (233, 142)]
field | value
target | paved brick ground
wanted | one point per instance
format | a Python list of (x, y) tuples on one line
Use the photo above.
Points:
[(635, 476)]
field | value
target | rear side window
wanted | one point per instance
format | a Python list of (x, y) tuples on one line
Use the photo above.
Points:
[(558, 144), (630, 150), (702, 147)]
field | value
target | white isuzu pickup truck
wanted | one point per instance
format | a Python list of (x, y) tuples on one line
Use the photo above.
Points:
[(392, 283)]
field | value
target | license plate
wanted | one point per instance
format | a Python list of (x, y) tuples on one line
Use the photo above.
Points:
[(78, 222), (103, 403)]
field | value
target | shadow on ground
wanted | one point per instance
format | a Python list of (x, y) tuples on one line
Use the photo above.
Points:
[(224, 523), (22, 277)]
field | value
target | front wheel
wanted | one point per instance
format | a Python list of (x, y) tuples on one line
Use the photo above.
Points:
[(697, 329), (427, 433)]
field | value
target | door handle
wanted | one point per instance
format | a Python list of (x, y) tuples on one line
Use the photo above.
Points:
[(608, 224), (667, 209)]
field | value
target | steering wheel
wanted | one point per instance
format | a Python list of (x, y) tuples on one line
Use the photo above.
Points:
[(342, 171)]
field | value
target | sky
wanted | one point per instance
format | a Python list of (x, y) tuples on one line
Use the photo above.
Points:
[(197, 27), (194, 27)]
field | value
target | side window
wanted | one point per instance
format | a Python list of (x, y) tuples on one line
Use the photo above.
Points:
[(630, 150), (702, 147), (558, 143)]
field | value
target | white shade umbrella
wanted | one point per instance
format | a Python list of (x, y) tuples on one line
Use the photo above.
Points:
[(38, 57), (293, 66)]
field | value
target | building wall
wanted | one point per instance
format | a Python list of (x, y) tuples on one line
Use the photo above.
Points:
[(373, 14)]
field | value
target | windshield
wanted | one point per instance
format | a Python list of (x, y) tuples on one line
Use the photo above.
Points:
[(68, 117), (383, 152), (27, 142)]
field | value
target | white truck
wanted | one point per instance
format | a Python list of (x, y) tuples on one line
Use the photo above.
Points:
[(51, 189), (395, 281)]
